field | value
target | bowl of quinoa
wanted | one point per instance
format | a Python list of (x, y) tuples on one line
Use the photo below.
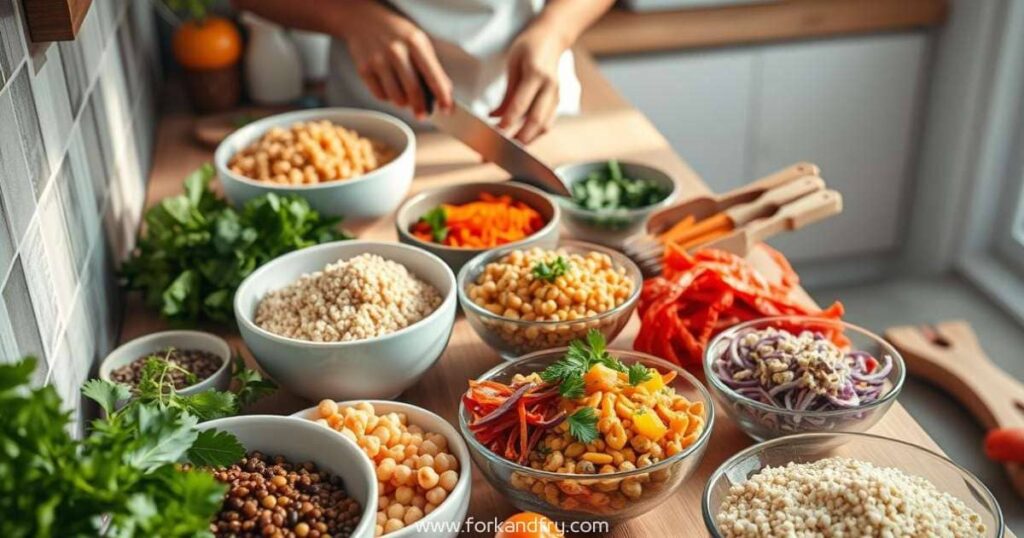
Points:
[(348, 320), (846, 484)]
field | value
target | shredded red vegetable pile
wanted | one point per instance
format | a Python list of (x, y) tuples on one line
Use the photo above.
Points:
[(704, 293), (509, 420)]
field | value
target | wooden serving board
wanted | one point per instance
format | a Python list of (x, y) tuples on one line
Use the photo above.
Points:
[(608, 128)]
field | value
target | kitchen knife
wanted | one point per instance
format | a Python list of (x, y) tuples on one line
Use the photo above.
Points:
[(494, 146)]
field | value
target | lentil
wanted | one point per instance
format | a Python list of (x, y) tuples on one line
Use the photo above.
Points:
[(261, 494), (843, 497), (200, 364), (363, 297)]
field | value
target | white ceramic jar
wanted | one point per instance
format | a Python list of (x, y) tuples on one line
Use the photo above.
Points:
[(273, 68)]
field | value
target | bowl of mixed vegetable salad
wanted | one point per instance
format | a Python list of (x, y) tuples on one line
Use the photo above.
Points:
[(784, 375), (611, 200), (586, 433)]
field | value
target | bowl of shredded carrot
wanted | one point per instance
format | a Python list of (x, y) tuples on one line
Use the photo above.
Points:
[(458, 222)]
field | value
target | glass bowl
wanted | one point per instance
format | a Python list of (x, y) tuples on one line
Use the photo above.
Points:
[(572, 497), (945, 475), (763, 421), (512, 338)]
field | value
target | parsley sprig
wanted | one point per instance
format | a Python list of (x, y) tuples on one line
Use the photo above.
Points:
[(550, 271), (638, 373), (437, 219), (568, 371), (583, 424)]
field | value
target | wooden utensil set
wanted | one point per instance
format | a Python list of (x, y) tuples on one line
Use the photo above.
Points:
[(737, 220)]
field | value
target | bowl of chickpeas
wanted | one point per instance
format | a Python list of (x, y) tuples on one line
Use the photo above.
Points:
[(421, 462), (520, 300), (347, 162), (625, 470)]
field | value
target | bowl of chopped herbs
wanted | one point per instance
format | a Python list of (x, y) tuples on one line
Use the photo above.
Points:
[(612, 199)]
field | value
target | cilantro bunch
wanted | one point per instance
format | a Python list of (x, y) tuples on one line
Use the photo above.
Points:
[(550, 271), (196, 249)]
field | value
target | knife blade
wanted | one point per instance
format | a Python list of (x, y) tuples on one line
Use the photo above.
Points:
[(497, 148)]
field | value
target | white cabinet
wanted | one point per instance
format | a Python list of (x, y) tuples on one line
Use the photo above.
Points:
[(699, 101), (849, 105)]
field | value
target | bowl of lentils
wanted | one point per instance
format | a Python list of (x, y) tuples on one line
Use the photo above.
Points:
[(521, 300), (196, 361), (611, 200), (296, 479), (785, 375)]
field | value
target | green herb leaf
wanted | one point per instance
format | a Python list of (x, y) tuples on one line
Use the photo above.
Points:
[(572, 387), (638, 373), (215, 449), (19, 373), (550, 271), (105, 393), (196, 249), (568, 371), (583, 425), (437, 219), (251, 385)]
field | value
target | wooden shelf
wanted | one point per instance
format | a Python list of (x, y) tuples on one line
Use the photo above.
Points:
[(625, 32)]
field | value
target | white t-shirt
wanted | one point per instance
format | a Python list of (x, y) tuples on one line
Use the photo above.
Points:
[(471, 38)]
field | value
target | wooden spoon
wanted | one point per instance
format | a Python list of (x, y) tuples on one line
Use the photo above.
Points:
[(950, 356)]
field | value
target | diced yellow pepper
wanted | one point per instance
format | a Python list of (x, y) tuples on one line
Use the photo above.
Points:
[(647, 423), (654, 384), (600, 377)]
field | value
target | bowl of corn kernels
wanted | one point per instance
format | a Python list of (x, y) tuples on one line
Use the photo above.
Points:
[(609, 434), (422, 465), (525, 299), (347, 162)]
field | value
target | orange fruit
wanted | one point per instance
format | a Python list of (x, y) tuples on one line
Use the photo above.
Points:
[(209, 43), (528, 525)]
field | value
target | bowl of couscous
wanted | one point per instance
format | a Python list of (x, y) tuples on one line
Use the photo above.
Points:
[(350, 319), (521, 300), (357, 164), (649, 425)]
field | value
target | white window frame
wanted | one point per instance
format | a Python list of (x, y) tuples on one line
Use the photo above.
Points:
[(991, 252)]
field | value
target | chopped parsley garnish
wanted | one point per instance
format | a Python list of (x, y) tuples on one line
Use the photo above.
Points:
[(638, 373), (437, 219), (583, 424), (568, 371), (550, 270)]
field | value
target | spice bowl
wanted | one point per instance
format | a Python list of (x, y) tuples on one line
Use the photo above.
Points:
[(300, 441), (512, 338), (444, 521), (358, 199), (610, 227), (155, 343), (377, 367), (420, 204), (946, 476), (611, 497), (744, 399)]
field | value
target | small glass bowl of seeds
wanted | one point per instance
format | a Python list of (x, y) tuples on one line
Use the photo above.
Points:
[(194, 361)]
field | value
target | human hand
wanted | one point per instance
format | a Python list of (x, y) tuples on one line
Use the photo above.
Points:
[(531, 98), (392, 56)]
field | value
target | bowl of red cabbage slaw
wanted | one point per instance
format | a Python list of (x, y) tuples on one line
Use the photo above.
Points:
[(783, 375)]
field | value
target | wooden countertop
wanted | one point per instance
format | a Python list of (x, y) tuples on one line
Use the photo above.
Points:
[(626, 32), (608, 128)]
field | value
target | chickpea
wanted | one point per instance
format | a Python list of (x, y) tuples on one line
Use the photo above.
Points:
[(448, 480), (393, 525), (402, 474), (427, 478), (395, 511), (404, 495), (436, 496), (385, 469), (412, 515), (327, 408)]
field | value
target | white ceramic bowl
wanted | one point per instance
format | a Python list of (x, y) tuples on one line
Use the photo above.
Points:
[(453, 509), (379, 367), (361, 198), (153, 343), (300, 441)]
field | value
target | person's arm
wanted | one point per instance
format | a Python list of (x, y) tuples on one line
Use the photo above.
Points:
[(390, 52), (531, 98)]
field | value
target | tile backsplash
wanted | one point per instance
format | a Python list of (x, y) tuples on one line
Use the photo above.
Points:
[(77, 122)]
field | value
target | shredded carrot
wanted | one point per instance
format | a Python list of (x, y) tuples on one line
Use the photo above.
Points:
[(706, 238), (488, 222), (678, 228), (701, 294)]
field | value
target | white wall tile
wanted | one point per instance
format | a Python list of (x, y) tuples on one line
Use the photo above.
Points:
[(16, 188), (52, 104), (58, 248), (41, 286)]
